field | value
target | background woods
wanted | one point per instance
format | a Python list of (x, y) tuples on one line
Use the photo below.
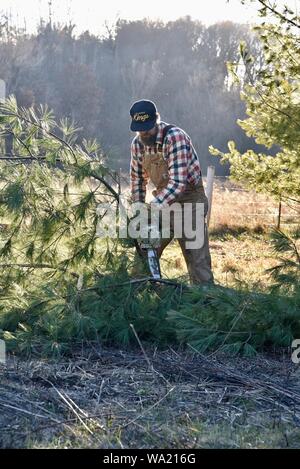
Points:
[(93, 80)]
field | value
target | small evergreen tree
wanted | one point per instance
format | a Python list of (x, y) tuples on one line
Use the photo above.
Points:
[(272, 95), (287, 273)]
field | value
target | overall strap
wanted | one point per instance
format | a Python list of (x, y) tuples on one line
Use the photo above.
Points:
[(164, 134), (166, 130)]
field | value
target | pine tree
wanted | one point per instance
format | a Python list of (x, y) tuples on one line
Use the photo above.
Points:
[(272, 96), (287, 273), (60, 282)]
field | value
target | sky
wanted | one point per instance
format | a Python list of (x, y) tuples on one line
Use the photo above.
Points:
[(92, 15)]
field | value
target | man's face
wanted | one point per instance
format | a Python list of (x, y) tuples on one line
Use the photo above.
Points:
[(149, 137)]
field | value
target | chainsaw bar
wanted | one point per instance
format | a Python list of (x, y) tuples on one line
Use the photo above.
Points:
[(148, 245), (153, 262)]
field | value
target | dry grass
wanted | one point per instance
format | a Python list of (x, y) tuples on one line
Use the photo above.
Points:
[(233, 206), (107, 398), (235, 259), (239, 242)]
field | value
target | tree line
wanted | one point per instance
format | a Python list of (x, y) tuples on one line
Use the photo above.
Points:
[(92, 80)]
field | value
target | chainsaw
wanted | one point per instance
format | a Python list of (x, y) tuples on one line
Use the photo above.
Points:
[(149, 247)]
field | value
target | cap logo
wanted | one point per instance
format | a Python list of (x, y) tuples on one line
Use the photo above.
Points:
[(140, 117)]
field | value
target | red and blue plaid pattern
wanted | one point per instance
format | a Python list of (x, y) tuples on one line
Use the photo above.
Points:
[(181, 158)]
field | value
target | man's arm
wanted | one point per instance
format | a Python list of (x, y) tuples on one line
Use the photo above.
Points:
[(178, 159), (138, 177)]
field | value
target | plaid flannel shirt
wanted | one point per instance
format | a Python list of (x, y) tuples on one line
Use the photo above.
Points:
[(181, 158)]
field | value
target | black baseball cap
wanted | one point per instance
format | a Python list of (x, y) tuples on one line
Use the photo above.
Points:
[(143, 115)]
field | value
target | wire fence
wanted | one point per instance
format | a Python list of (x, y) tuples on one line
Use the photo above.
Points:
[(231, 199), (231, 202)]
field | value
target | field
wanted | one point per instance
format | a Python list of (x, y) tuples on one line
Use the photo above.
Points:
[(239, 242), (144, 397)]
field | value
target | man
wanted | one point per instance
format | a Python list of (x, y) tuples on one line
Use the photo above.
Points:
[(164, 154)]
